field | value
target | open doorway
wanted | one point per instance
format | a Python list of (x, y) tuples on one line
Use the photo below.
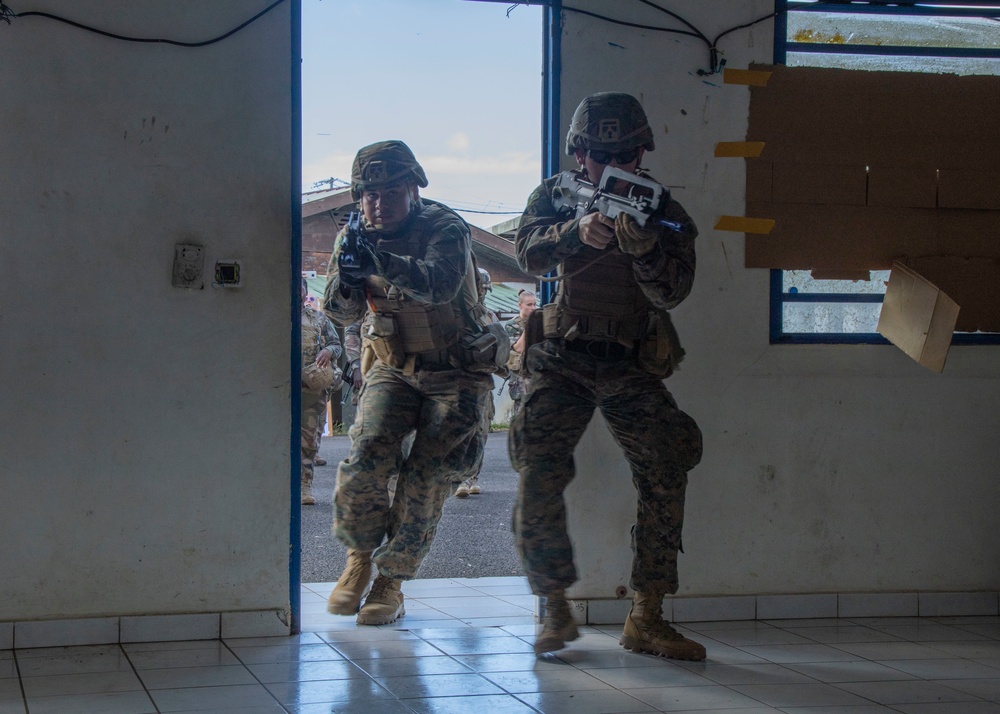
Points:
[(460, 82)]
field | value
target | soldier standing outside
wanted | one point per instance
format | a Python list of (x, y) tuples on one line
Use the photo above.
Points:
[(518, 384), (470, 486), (320, 346), (608, 344), (412, 267)]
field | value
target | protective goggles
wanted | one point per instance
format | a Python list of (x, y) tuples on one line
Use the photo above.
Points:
[(605, 157)]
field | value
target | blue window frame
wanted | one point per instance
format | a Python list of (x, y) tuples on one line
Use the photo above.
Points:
[(808, 311)]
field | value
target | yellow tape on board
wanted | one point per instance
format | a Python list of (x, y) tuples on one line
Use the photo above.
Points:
[(749, 77), (739, 149), (742, 224)]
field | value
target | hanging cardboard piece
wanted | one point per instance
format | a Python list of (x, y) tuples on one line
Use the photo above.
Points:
[(917, 317)]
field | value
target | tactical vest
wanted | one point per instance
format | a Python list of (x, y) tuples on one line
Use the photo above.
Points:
[(312, 334), (599, 302), (403, 331)]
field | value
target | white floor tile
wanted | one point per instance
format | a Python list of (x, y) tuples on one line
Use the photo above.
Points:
[(466, 645), (109, 703), (88, 683)]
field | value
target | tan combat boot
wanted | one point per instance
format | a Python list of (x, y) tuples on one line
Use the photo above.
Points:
[(645, 631), (353, 584), (558, 627), (307, 495), (384, 603)]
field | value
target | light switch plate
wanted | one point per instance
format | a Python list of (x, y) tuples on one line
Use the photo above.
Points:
[(189, 265)]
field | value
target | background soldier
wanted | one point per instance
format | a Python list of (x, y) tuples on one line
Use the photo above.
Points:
[(320, 345), (411, 262), (470, 486), (608, 344), (517, 384)]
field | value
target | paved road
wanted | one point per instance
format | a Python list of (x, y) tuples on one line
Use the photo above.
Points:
[(474, 538)]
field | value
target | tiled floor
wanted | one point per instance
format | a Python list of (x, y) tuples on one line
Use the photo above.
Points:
[(465, 646)]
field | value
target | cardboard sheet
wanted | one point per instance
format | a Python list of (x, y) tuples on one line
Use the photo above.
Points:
[(861, 169), (918, 317)]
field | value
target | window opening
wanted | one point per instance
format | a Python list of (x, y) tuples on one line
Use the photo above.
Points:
[(932, 38)]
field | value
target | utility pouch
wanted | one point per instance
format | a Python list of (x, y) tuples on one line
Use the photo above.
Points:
[(660, 351), (515, 361), (549, 322), (534, 332), (486, 351), (367, 357), (385, 341)]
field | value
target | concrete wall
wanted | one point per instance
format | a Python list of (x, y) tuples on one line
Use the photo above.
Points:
[(144, 428), (827, 469)]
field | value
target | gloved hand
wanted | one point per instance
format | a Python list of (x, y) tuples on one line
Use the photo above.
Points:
[(354, 271), (633, 239)]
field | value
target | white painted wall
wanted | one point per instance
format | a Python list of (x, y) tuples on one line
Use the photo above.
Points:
[(144, 429), (826, 468)]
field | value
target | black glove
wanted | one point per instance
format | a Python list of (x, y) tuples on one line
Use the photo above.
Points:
[(354, 269)]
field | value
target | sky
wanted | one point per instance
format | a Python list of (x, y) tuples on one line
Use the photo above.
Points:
[(458, 80)]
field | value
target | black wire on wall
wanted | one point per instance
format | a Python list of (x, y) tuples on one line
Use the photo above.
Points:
[(715, 64), (7, 14)]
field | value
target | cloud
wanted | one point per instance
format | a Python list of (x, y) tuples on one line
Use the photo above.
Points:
[(459, 142), (477, 169), (504, 164)]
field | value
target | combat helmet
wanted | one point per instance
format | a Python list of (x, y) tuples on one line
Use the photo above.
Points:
[(609, 121), (383, 163), (484, 283)]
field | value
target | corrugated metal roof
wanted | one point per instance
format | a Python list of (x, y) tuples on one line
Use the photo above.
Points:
[(502, 300)]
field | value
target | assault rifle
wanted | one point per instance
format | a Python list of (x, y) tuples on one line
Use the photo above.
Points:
[(618, 192), (354, 243)]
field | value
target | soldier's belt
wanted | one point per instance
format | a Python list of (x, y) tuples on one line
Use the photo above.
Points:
[(600, 349)]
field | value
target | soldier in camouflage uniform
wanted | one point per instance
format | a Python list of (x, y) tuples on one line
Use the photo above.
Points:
[(321, 345), (470, 486), (415, 271), (517, 385), (352, 355), (608, 344)]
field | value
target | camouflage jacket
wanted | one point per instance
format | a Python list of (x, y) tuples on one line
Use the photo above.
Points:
[(318, 333), (352, 343), (514, 327), (435, 277), (546, 237)]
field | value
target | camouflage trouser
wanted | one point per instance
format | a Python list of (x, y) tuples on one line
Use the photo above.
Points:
[(477, 447), (660, 442), (313, 411), (518, 389), (445, 408)]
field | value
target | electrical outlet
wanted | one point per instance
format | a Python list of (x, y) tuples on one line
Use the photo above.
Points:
[(189, 265), (228, 274)]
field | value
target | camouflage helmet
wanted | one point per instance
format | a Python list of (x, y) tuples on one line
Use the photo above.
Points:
[(609, 121), (485, 283), (383, 163)]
